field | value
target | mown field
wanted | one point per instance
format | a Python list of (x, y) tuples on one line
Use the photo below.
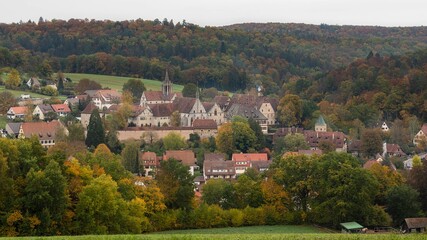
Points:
[(114, 82), (249, 233), (17, 93)]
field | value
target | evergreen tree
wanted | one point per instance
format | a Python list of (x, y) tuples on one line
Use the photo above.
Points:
[(60, 85), (130, 157), (95, 130)]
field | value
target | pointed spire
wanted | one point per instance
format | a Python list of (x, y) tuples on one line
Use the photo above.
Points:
[(167, 77)]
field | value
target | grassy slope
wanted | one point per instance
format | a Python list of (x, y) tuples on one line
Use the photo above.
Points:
[(114, 82), (17, 93), (256, 232)]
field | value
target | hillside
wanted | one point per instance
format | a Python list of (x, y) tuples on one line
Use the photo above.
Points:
[(230, 58)]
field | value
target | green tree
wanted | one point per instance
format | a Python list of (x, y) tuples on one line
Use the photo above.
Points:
[(224, 139), (402, 202), (136, 87), (95, 130), (290, 143), (130, 156), (113, 142), (176, 119), (243, 137), (296, 174), (289, 110), (45, 70), (259, 135), (76, 132), (189, 90), (14, 79), (371, 142), (174, 141), (7, 100), (99, 203), (176, 184), (345, 189), (220, 192)]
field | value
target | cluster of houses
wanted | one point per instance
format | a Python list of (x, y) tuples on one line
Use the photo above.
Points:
[(216, 165)]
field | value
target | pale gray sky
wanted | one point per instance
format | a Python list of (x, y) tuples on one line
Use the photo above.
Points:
[(225, 12)]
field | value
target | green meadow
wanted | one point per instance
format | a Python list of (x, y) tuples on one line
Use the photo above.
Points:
[(247, 233), (116, 83)]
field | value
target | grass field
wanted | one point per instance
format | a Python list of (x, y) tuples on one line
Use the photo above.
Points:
[(17, 93), (247, 233), (114, 82)]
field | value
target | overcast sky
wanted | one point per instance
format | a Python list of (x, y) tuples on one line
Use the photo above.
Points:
[(225, 12)]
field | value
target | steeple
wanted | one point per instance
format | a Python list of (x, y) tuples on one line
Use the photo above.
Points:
[(167, 85), (320, 125)]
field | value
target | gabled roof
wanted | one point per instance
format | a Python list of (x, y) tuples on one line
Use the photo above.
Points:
[(45, 108), (224, 167), (89, 108), (204, 124), (136, 110), (214, 156), (151, 158), (314, 138), (355, 146), (186, 157), (394, 149), (184, 104), (61, 108), (19, 110), (416, 222), (43, 130), (249, 157), (13, 127), (159, 96), (208, 105), (162, 109), (222, 101), (244, 111)]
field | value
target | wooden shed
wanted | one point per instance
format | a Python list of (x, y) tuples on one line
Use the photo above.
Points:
[(414, 225)]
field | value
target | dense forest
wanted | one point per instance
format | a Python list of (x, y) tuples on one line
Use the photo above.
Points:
[(229, 58)]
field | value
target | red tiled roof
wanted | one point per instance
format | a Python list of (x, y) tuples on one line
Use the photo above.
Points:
[(158, 96), (149, 159), (187, 157), (205, 124), (315, 138), (249, 157), (208, 105), (61, 108), (394, 149), (222, 101), (43, 130), (89, 108), (19, 110)]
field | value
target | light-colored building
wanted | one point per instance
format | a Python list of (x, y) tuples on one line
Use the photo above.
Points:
[(421, 136), (243, 161), (17, 112), (166, 95), (214, 112), (61, 110), (150, 162), (205, 128), (44, 131), (186, 157), (40, 111), (320, 125), (104, 98)]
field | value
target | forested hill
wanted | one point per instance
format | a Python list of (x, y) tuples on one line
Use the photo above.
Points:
[(228, 58)]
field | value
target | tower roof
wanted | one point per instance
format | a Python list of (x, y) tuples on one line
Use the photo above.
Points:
[(320, 121), (167, 77)]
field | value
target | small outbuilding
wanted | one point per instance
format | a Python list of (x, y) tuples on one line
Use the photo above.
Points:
[(414, 225), (351, 227)]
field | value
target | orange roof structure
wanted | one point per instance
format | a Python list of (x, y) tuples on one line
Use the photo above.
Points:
[(249, 157)]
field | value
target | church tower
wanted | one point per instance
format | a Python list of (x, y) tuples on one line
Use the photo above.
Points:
[(167, 85), (320, 125)]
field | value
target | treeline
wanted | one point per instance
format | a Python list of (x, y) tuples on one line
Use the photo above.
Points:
[(367, 92), (70, 191), (229, 58)]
